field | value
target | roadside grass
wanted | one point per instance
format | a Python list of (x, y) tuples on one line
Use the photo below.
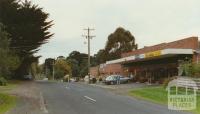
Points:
[(11, 85), (157, 95), (7, 101)]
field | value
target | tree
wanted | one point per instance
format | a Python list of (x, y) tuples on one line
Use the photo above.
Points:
[(190, 68), (62, 68), (28, 28), (74, 55), (84, 68), (119, 42), (36, 70), (60, 57), (79, 57), (78, 62), (75, 67), (100, 57), (48, 67), (8, 60)]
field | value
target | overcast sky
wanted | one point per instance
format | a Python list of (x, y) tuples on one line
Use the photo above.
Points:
[(150, 21)]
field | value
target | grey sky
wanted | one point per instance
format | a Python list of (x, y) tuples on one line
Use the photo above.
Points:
[(150, 21)]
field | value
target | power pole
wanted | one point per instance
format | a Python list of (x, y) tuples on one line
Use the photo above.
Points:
[(53, 70), (88, 37), (46, 70), (53, 65)]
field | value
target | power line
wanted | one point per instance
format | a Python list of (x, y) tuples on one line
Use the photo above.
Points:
[(88, 37)]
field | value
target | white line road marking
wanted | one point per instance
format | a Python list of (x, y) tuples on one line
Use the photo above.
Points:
[(90, 98), (42, 104)]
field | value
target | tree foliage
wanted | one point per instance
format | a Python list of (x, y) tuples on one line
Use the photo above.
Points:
[(28, 27), (74, 66), (8, 60), (190, 68), (119, 42), (78, 62), (48, 67), (100, 57), (62, 68)]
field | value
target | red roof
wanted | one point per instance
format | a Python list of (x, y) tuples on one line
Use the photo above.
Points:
[(187, 43)]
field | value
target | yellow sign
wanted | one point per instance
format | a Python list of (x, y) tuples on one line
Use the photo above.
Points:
[(153, 54)]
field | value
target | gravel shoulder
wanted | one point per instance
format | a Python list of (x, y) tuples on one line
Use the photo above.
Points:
[(29, 99)]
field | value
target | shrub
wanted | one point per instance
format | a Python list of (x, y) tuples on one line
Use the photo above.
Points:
[(190, 69), (100, 79), (94, 80), (167, 80), (3, 81), (143, 79)]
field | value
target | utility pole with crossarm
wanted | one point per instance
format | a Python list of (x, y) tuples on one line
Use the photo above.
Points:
[(88, 37)]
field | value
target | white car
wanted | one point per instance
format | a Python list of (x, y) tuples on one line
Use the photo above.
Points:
[(45, 79), (112, 79), (86, 78)]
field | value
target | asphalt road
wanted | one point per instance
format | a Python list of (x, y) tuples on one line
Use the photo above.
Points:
[(76, 98)]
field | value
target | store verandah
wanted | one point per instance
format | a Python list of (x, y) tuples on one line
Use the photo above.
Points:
[(154, 70)]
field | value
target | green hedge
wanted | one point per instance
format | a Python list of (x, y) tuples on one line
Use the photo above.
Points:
[(3, 81)]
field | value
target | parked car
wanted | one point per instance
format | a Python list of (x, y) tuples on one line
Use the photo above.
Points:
[(86, 79), (92, 79), (28, 77), (77, 79), (72, 80), (45, 79), (112, 79), (124, 79)]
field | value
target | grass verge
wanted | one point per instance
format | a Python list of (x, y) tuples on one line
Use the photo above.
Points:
[(7, 101), (157, 95), (10, 86)]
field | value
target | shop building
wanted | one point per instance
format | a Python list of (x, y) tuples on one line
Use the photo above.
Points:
[(154, 63), (104, 70)]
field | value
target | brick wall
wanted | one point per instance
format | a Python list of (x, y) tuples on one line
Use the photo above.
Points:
[(109, 69), (196, 58), (113, 69), (187, 43)]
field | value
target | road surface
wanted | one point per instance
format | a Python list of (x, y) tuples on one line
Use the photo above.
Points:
[(76, 98)]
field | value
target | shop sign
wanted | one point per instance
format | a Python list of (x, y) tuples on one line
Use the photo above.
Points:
[(153, 54)]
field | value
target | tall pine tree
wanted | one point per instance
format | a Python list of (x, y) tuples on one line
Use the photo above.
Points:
[(28, 28)]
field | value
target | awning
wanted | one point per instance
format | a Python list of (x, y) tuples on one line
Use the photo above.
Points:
[(154, 54)]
